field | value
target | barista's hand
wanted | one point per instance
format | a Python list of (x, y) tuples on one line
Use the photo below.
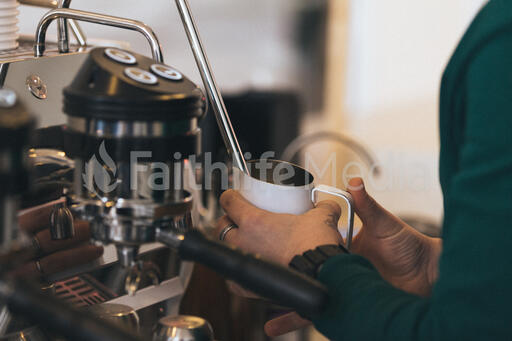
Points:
[(278, 237), (54, 255), (404, 257)]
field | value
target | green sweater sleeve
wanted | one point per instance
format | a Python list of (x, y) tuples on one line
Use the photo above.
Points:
[(472, 299)]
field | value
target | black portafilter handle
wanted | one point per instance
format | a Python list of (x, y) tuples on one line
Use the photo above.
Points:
[(57, 316), (277, 283)]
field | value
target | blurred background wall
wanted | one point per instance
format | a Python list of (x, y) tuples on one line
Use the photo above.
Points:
[(250, 43), (373, 71), (367, 68), (397, 52)]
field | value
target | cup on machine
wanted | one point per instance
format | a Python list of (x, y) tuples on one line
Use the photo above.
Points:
[(182, 328), (282, 187)]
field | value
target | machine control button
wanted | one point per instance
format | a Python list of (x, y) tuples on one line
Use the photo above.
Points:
[(120, 56), (141, 76), (166, 72), (36, 86)]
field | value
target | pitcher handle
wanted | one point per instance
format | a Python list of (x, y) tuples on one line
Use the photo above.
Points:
[(347, 198)]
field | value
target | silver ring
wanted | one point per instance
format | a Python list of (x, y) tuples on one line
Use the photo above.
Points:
[(226, 230)]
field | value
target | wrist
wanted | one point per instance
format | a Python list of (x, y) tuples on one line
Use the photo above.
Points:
[(311, 261), (311, 242)]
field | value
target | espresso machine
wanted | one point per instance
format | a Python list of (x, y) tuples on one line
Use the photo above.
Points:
[(131, 127), (132, 124), (134, 195)]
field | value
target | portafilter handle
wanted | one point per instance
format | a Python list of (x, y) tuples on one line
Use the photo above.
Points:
[(282, 285)]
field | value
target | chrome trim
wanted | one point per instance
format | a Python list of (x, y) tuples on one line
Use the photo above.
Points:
[(62, 28), (40, 3), (118, 129), (25, 52), (78, 33), (95, 18), (4, 67), (131, 223)]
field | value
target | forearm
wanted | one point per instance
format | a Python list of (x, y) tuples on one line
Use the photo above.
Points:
[(365, 307)]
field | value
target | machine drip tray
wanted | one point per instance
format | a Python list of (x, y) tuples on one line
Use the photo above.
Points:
[(82, 291)]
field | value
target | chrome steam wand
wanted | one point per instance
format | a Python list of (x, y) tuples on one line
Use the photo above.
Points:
[(210, 85)]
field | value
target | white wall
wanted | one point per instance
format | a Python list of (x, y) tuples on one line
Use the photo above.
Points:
[(397, 52), (398, 49)]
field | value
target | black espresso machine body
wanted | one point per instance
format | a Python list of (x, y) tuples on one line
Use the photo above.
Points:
[(132, 123)]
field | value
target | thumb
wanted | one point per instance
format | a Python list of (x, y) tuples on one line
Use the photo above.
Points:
[(364, 205)]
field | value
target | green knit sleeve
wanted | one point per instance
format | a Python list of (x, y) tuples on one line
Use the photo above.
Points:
[(365, 307), (472, 299)]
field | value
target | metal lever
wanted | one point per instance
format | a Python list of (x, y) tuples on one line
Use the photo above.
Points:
[(61, 223), (95, 18), (214, 95)]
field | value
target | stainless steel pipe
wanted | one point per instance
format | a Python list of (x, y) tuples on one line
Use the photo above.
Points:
[(62, 28), (78, 32), (40, 3), (75, 28), (95, 18), (210, 85)]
